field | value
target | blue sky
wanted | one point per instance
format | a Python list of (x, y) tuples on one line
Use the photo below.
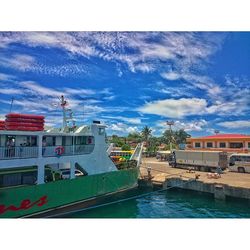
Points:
[(128, 80)]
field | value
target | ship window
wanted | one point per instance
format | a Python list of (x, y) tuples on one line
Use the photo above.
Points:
[(67, 140), (197, 145), (33, 140), (101, 131), (50, 140), (12, 180), (209, 144), (80, 140), (30, 141), (222, 144), (29, 178), (248, 144)]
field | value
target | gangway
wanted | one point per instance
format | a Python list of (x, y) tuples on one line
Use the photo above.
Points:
[(110, 148), (137, 154)]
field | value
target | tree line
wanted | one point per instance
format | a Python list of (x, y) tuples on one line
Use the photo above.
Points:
[(152, 143)]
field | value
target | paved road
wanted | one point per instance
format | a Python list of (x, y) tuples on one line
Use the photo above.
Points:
[(161, 170)]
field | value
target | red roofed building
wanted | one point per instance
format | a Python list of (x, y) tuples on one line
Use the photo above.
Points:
[(221, 142)]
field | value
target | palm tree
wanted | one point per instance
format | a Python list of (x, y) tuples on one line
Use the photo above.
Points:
[(177, 137), (181, 136), (135, 137), (146, 133), (169, 137)]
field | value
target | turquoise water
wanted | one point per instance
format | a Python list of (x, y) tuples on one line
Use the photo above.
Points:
[(174, 203)]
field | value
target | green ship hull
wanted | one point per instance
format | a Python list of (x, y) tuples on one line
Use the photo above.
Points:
[(27, 200)]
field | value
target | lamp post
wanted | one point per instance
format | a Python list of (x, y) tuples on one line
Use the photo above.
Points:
[(170, 124)]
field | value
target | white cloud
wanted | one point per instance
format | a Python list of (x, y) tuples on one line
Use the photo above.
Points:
[(37, 89), (197, 125), (32, 97), (133, 120), (10, 91), (144, 67), (235, 124), (18, 61), (65, 69), (171, 75), (179, 108), (192, 125), (79, 91), (122, 128), (176, 91), (175, 108), (183, 49), (6, 77), (197, 82)]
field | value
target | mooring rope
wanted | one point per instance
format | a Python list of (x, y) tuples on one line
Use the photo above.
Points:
[(121, 200)]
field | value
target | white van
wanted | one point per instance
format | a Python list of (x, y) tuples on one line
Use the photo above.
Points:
[(239, 163)]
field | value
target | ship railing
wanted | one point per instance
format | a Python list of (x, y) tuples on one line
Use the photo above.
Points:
[(51, 151), (18, 152)]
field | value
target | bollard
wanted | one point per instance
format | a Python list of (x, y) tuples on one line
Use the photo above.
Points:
[(149, 173)]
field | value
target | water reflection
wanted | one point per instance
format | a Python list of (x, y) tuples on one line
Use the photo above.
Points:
[(174, 203)]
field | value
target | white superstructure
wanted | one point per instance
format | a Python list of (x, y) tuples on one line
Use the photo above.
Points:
[(86, 147)]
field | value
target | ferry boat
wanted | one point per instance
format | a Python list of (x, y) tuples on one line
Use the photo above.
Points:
[(43, 171)]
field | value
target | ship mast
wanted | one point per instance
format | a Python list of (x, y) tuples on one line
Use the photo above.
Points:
[(67, 114)]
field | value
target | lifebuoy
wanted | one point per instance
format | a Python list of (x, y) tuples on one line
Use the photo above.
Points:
[(59, 150)]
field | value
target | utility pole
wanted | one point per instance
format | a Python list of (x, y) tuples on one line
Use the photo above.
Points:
[(170, 124), (216, 131)]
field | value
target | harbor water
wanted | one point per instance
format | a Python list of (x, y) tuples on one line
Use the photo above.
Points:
[(173, 203)]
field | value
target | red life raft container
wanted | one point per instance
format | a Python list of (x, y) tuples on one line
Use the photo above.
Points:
[(2, 125), (24, 122), (25, 128), (24, 116)]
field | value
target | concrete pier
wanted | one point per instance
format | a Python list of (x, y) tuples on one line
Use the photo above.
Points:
[(230, 184)]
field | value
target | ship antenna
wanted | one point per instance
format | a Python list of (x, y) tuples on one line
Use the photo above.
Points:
[(11, 104)]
